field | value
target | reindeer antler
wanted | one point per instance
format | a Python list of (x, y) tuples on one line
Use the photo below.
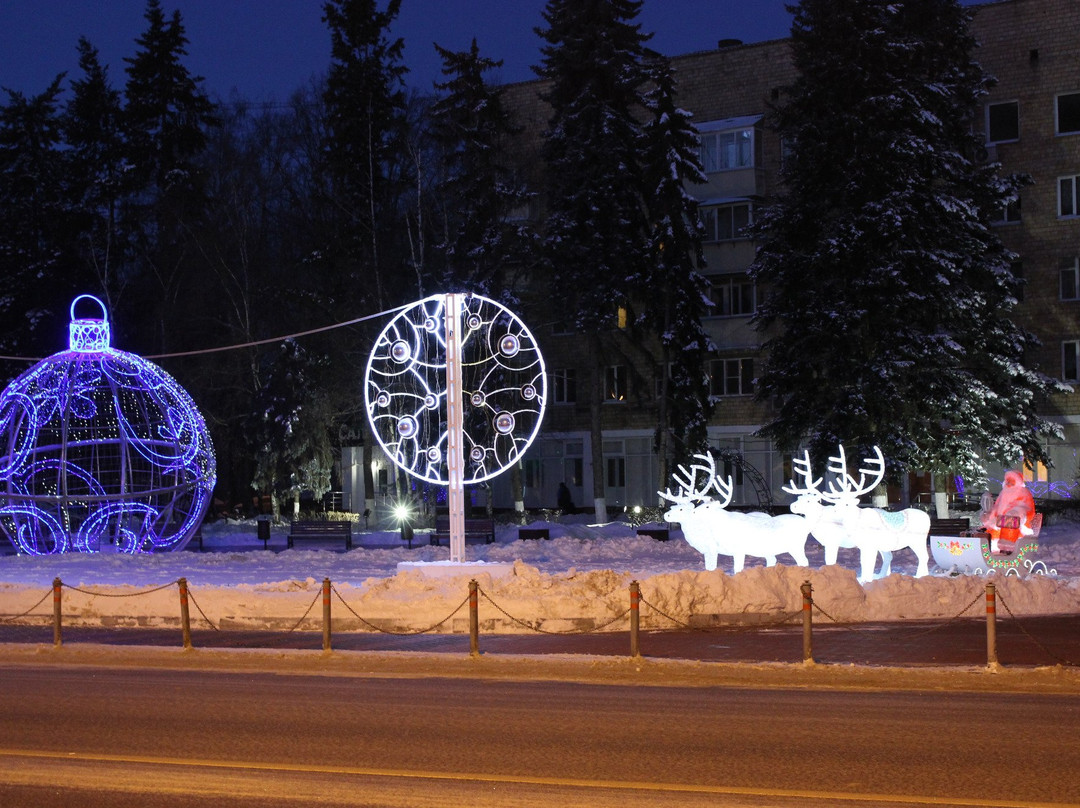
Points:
[(688, 490), (803, 469), (847, 488)]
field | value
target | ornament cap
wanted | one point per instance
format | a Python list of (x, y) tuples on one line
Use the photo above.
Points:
[(89, 335)]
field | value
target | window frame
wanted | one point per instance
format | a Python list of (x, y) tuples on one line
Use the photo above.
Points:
[(1057, 113), (710, 220), (990, 139), (616, 384), (744, 152), (723, 370), (1070, 360), (563, 385), (1073, 273), (726, 284), (1073, 196)]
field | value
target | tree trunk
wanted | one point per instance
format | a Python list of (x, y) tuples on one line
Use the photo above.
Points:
[(369, 477), (941, 495), (517, 489), (596, 404), (663, 432)]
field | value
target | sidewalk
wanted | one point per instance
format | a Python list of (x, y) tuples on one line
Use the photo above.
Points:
[(1027, 642)]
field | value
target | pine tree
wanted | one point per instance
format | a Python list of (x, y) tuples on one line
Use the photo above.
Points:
[(479, 191), (36, 228), (596, 233), (92, 130), (289, 428), (366, 174), (166, 112), (166, 115), (679, 296), (892, 294), (365, 117)]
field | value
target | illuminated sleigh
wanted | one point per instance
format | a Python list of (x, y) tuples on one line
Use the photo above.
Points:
[(972, 553)]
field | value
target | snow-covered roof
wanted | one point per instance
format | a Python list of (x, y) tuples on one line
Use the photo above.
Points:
[(742, 122)]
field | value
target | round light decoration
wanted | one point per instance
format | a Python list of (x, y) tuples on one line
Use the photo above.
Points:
[(101, 449), (502, 388)]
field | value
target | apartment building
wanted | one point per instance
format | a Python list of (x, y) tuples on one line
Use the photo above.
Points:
[(1031, 122)]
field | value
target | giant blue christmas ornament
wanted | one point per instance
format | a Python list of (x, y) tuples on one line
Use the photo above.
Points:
[(101, 450)]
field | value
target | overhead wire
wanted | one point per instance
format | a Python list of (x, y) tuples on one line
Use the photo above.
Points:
[(250, 344)]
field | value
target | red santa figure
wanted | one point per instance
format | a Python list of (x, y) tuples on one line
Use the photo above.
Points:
[(1012, 514)]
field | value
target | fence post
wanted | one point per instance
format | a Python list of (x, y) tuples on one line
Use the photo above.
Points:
[(991, 626), (807, 622), (185, 618), (57, 586), (635, 617), (474, 620), (326, 614)]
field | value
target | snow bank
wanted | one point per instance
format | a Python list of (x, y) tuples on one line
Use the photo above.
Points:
[(579, 579)]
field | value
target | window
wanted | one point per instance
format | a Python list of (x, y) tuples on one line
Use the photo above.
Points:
[(1068, 113), (725, 222), (530, 473), (564, 386), (615, 383), (1002, 122), (1070, 360), (660, 373), (1009, 213), (731, 377), (572, 471), (616, 472), (1067, 202), (722, 151), (1070, 280), (732, 296)]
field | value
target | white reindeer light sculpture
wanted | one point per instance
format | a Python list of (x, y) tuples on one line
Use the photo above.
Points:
[(714, 531), (843, 523)]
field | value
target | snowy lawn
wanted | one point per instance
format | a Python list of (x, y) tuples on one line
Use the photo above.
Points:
[(578, 578)]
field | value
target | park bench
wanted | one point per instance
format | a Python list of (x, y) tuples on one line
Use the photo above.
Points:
[(658, 533), (321, 531), (533, 533), (474, 529), (950, 527)]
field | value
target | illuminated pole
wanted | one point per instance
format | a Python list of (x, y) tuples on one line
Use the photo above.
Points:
[(455, 456)]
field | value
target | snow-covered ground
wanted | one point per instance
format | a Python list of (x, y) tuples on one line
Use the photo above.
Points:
[(578, 579)]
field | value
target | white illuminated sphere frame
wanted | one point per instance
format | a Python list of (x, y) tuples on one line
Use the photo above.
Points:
[(455, 391)]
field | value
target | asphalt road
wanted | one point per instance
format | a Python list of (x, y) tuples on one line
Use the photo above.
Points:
[(118, 736)]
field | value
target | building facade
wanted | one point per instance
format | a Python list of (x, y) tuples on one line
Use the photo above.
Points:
[(1031, 124)]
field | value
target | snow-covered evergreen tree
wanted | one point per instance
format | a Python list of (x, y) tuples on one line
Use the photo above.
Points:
[(289, 428), (889, 295), (365, 122), (596, 237), (97, 161), (479, 191), (679, 297), (166, 111), (35, 224)]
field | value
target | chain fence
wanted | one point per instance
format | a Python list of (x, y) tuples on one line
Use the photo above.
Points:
[(784, 619)]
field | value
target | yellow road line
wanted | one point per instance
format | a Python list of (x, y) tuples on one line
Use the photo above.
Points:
[(508, 779)]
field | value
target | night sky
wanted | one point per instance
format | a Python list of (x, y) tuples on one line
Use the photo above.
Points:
[(264, 49)]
